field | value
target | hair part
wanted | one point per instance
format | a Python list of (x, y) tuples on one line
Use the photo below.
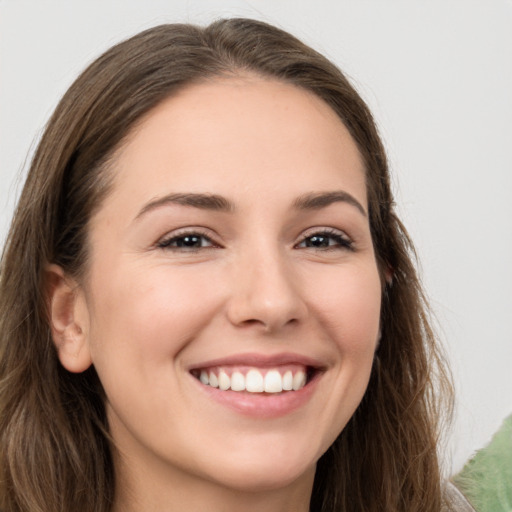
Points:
[(55, 450)]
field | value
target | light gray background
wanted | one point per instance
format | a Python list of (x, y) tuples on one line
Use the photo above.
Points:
[(438, 77)]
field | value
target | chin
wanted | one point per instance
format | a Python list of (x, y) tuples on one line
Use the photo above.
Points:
[(266, 471), (253, 479)]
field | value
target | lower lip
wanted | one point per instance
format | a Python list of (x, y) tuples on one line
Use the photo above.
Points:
[(259, 405)]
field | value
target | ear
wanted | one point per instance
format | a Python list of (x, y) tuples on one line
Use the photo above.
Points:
[(69, 320), (389, 273)]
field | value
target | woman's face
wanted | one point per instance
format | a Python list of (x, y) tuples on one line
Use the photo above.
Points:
[(234, 250)]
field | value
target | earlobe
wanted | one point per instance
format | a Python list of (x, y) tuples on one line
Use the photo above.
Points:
[(68, 317), (389, 273)]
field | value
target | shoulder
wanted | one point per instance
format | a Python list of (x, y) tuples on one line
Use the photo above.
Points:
[(486, 480), (454, 500)]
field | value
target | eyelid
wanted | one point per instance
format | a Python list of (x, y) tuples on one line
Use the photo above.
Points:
[(347, 242), (165, 241)]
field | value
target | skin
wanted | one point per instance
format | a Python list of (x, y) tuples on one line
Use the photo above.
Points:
[(146, 314)]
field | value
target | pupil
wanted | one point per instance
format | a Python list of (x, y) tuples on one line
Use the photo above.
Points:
[(318, 241), (189, 241)]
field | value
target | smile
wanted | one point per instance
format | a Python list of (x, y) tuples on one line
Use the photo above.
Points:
[(260, 386), (255, 380)]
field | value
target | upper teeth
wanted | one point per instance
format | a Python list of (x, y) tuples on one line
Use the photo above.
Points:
[(254, 381)]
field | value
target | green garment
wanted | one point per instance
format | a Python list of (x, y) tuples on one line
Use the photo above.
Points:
[(486, 480)]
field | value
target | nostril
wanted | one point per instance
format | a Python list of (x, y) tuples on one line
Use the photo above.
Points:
[(267, 323)]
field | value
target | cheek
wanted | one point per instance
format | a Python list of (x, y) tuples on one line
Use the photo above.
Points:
[(148, 313), (348, 306), (347, 311)]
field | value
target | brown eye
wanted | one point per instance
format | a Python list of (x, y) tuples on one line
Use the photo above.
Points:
[(186, 241), (326, 240), (318, 241)]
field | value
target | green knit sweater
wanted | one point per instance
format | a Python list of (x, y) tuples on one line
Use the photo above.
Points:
[(486, 480)]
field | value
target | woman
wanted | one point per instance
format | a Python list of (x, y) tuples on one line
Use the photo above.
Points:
[(207, 299)]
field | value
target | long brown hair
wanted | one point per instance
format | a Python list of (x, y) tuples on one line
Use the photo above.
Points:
[(55, 452)]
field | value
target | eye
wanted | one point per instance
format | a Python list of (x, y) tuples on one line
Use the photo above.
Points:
[(326, 239), (186, 241)]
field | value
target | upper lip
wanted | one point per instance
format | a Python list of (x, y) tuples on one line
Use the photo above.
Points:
[(260, 361)]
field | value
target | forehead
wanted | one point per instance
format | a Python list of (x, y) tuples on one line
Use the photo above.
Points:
[(250, 133)]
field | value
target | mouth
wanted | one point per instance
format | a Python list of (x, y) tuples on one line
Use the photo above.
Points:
[(254, 379), (260, 386)]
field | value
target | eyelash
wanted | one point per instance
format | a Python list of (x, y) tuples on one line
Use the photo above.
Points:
[(167, 242), (341, 241)]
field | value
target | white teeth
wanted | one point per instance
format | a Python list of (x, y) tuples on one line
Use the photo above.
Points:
[(237, 382), (273, 382), (224, 381), (288, 381), (299, 380), (214, 382), (254, 381)]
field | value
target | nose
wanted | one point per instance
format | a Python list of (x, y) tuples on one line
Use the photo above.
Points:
[(265, 293)]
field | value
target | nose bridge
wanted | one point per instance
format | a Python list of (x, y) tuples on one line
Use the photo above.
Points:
[(265, 291)]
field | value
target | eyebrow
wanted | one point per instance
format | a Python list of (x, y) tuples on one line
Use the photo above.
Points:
[(214, 202), (211, 202), (318, 200)]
